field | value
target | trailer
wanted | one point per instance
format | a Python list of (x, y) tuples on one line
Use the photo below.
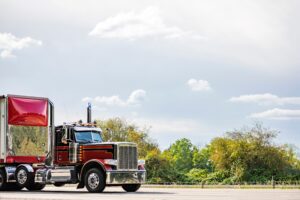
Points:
[(33, 152)]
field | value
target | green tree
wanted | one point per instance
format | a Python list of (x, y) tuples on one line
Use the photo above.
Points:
[(159, 168), (181, 154), (201, 159), (250, 154), (197, 175)]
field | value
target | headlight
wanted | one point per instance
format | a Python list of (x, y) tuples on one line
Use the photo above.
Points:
[(111, 162), (141, 162)]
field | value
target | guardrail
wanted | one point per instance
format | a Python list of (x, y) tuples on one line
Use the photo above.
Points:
[(267, 185)]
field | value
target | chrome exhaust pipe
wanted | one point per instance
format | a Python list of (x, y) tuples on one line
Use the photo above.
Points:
[(89, 113)]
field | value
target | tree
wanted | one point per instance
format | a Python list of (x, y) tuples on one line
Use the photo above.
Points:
[(159, 168), (197, 175), (116, 129), (249, 154), (201, 159), (181, 154)]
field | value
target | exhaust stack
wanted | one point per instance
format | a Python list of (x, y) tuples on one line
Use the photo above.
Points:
[(89, 113)]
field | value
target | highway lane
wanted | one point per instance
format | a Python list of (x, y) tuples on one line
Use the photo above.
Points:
[(116, 193)]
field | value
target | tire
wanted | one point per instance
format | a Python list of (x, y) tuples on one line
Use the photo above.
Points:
[(94, 180), (24, 178), (35, 187), (131, 187), (7, 186), (3, 184)]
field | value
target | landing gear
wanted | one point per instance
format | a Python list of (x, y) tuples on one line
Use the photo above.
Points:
[(94, 180), (131, 187)]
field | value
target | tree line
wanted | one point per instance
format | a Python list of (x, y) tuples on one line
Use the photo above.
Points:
[(243, 155)]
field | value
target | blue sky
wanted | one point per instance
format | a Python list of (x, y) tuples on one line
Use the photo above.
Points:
[(191, 69)]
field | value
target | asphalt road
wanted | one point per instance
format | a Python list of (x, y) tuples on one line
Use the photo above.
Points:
[(116, 193)]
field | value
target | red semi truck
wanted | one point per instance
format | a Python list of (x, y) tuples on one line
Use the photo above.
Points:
[(33, 152)]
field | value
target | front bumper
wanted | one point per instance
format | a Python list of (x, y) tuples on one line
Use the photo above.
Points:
[(125, 177)]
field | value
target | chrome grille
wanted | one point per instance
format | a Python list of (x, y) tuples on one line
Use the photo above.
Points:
[(127, 157)]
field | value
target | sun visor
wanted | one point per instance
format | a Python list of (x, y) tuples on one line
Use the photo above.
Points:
[(27, 111)]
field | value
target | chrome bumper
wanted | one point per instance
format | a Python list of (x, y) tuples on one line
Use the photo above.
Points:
[(125, 177)]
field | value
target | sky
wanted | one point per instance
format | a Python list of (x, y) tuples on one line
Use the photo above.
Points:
[(193, 69)]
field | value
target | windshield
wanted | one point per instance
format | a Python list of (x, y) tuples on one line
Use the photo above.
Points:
[(88, 137)]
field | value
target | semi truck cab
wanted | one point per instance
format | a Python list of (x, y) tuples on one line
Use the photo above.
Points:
[(34, 152)]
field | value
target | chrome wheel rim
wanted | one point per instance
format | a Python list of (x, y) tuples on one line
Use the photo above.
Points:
[(93, 180), (22, 176)]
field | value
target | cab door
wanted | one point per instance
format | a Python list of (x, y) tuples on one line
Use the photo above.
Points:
[(62, 146)]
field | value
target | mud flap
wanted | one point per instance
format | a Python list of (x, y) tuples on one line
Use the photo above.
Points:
[(80, 185)]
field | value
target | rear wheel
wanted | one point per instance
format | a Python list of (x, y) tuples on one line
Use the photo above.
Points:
[(94, 180), (131, 187), (7, 186), (24, 178)]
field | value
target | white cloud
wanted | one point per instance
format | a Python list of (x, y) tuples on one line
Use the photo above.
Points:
[(266, 99), (134, 25), (198, 85), (6, 54), (87, 99), (134, 99), (110, 101), (9, 43), (276, 113)]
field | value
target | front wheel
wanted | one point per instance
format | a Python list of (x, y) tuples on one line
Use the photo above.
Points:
[(94, 180), (131, 187)]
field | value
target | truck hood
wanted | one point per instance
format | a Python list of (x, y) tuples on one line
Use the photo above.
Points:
[(112, 143)]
